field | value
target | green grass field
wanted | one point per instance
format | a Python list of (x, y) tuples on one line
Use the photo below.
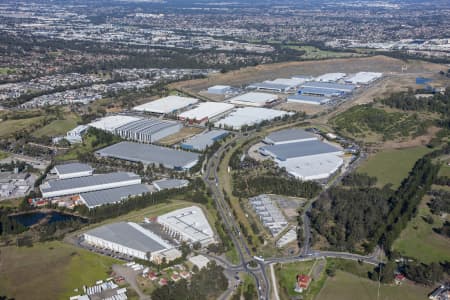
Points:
[(345, 286), (9, 127), (49, 270), (445, 170), (58, 127), (312, 52), (3, 155), (392, 166), (4, 71), (419, 241), (286, 276)]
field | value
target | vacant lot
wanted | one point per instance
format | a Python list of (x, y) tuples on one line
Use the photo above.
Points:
[(49, 270), (392, 166), (418, 240), (10, 127), (58, 127), (445, 170), (312, 52), (346, 286), (248, 75)]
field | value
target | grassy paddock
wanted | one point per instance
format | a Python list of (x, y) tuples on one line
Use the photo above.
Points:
[(392, 166), (418, 240), (58, 127), (49, 270), (9, 127), (346, 286)]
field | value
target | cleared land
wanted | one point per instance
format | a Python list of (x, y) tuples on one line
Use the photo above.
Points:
[(49, 270), (445, 170), (3, 155), (312, 52), (346, 286), (392, 166), (418, 240), (248, 75), (58, 127)]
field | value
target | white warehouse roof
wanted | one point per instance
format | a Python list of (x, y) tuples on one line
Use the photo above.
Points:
[(110, 123), (254, 99), (166, 105), (306, 99), (312, 168), (249, 116), (190, 223), (205, 111), (363, 77), (291, 135), (330, 77), (73, 169)]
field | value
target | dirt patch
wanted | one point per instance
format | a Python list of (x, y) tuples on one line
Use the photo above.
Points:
[(245, 76), (418, 141)]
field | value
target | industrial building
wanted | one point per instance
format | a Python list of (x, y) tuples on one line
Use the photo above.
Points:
[(167, 184), (330, 77), (270, 87), (269, 213), (151, 155), (312, 167), (346, 88), (287, 136), (166, 105), (72, 170), (302, 154), (129, 239), (110, 123), (305, 99), (254, 99), (219, 89), (202, 141), (76, 135), (248, 116), (319, 92), (287, 238), (114, 195), (312, 148), (188, 224), (71, 186), (363, 77), (206, 111), (148, 130)]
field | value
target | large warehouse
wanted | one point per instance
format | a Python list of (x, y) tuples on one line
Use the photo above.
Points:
[(220, 89), (326, 93), (148, 130), (346, 88), (330, 77), (72, 170), (71, 186), (363, 77), (270, 87), (204, 140), (166, 105), (249, 116), (287, 136), (299, 149), (110, 123), (151, 154), (302, 154), (305, 99), (129, 239), (254, 99), (312, 168), (206, 111), (189, 224), (114, 195)]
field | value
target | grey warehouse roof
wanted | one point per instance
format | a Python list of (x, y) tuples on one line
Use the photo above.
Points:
[(150, 154), (300, 149), (203, 140), (72, 183), (165, 184), (269, 86), (126, 235), (146, 126), (290, 135), (109, 196), (72, 168), (330, 85)]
